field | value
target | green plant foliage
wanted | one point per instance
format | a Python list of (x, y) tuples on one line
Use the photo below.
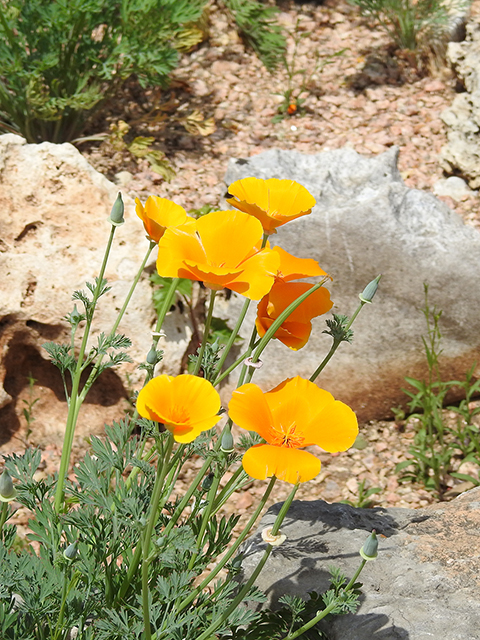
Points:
[(298, 80), (62, 59), (414, 24), (256, 24), (363, 500), (438, 447)]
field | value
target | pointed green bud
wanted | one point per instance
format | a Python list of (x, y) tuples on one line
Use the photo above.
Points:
[(370, 290), (75, 316), (116, 215), (369, 551), (227, 445), (152, 357), (207, 482), (71, 551), (7, 490)]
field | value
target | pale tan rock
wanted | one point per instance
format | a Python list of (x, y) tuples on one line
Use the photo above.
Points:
[(53, 230)]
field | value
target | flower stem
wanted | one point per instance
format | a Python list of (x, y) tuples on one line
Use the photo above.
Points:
[(208, 322), (334, 347), (155, 507), (74, 404), (232, 549), (238, 361), (94, 372), (3, 517), (246, 588), (322, 614), (233, 335)]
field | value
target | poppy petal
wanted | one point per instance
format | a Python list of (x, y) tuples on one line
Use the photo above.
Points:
[(291, 465), (249, 409), (293, 268), (176, 246), (274, 202), (282, 294), (228, 236), (334, 428), (257, 277)]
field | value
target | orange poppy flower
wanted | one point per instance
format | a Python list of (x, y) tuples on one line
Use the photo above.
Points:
[(295, 330), (185, 404), (274, 202), (294, 415), (223, 250), (159, 214), (293, 268)]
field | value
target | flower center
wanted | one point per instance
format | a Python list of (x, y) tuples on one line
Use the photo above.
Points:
[(288, 437)]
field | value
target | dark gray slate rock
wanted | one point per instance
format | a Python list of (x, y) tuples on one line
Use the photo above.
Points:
[(424, 584), (367, 222)]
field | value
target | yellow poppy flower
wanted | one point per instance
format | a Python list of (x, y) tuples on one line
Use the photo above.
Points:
[(159, 214), (274, 202), (295, 330), (294, 415), (185, 404), (223, 250)]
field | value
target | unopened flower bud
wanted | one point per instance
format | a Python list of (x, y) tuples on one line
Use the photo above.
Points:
[(152, 357), (75, 316), (227, 445), (71, 551), (274, 540), (369, 551), (116, 215), (370, 290), (7, 490), (207, 482)]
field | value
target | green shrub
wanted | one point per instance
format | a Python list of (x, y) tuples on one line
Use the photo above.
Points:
[(61, 59), (413, 24)]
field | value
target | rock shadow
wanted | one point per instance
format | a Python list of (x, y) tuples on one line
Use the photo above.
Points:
[(23, 360)]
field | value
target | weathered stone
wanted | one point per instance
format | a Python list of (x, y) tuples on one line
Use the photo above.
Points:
[(424, 583), (53, 232), (454, 187), (462, 152), (367, 222)]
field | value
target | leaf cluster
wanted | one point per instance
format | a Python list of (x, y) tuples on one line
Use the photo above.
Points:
[(414, 24), (62, 59), (439, 447), (256, 23)]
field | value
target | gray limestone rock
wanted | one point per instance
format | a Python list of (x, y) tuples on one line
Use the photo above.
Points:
[(366, 222), (424, 585)]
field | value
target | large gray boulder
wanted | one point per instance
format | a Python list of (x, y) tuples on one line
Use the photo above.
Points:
[(462, 152), (423, 585), (366, 222)]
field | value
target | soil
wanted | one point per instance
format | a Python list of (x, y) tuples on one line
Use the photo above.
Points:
[(369, 98)]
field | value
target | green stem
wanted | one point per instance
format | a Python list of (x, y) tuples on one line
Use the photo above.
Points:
[(186, 498), (94, 372), (74, 404), (208, 322), (155, 507), (232, 550), (205, 518), (233, 335), (335, 345), (238, 361), (246, 588), (3, 518), (311, 623)]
